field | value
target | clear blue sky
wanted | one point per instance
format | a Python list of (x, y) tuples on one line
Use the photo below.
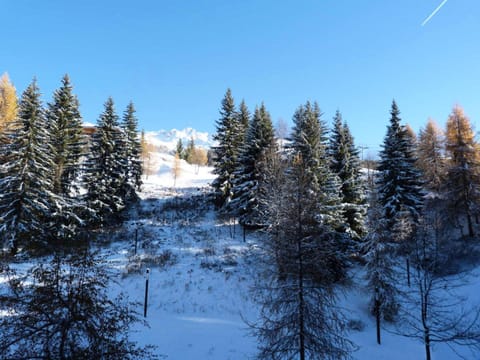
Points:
[(175, 58)]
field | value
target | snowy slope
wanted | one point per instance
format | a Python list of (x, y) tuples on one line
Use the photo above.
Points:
[(198, 304), (168, 138)]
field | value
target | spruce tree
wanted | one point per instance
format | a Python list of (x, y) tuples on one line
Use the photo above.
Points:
[(105, 167), (244, 120), (133, 150), (229, 139), (247, 187), (26, 186), (179, 150), (345, 163), (309, 139), (66, 138), (400, 186)]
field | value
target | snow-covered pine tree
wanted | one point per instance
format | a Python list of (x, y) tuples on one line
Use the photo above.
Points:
[(246, 187), (66, 138), (243, 119), (345, 163), (133, 152), (309, 139), (399, 181), (379, 256), (462, 182), (26, 185), (229, 139), (105, 167)]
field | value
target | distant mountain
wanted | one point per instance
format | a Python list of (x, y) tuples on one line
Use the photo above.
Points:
[(167, 139)]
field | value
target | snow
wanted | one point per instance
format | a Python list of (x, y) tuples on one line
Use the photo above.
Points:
[(168, 138), (197, 303)]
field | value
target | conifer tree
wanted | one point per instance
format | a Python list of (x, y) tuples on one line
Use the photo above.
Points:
[(229, 139), (246, 190), (179, 150), (244, 120), (66, 138), (190, 150), (105, 167), (462, 183), (133, 149), (431, 156), (309, 139), (400, 187), (25, 183), (345, 163)]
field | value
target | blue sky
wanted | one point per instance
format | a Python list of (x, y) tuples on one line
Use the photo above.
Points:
[(175, 58)]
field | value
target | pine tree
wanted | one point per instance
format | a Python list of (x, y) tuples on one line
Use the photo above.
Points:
[(462, 183), (400, 187), (66, 138), (345, 163), (229, 139), (190, 150), (246, 189), (431, 156), (309, 139), (379, 254), (244, 120), (26, 186), (105, 167), (179, 150), (133, 150)]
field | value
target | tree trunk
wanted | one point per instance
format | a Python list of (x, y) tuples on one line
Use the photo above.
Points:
[(427, 345), (408, 272), (377, 318)]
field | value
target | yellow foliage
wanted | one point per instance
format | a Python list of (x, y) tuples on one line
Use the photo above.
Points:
[(8, 102), (460, 137)]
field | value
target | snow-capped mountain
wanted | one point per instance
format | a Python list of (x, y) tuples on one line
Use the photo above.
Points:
[(168, 138)]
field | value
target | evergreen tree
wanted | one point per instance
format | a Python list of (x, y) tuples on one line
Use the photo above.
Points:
[(246, 189), (400, 191), (309, 139), (190, 150), (179, 150), (462, 183), (105, 166), (380, 265), (244, 120), (66, 138), (345, 163), (133, 150), (26, 186), (229, 140)]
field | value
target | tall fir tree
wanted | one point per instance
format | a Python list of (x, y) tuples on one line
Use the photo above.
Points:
[(309, 139), (26, 186), (345, 163), (462, 183), (244, 120), (229, 140), (247, 185), (105, 167), (133, 150), (400, 186), (64, 124)]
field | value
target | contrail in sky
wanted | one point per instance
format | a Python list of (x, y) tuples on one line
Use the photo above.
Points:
[(434, 12)]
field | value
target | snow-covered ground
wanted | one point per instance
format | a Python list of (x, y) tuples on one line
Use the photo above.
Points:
[(200, 276), (197, 305)]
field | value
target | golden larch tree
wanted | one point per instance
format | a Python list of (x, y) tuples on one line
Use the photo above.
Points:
[(8, 102), (462, 185), (431, 155)]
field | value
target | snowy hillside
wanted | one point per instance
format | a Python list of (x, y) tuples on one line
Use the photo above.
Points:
[(199, 294), (168, 138)]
